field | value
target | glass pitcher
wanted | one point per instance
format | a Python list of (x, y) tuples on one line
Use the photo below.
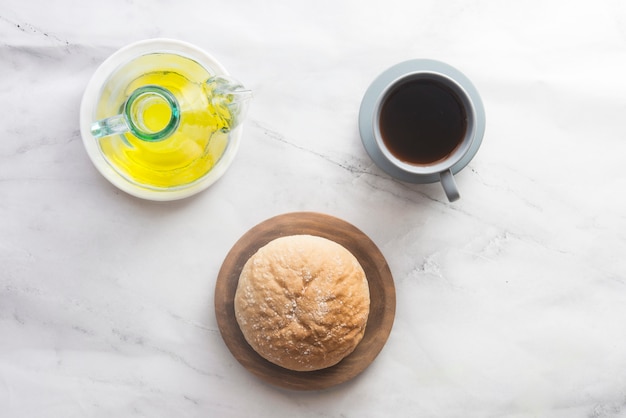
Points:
[(166, 119)]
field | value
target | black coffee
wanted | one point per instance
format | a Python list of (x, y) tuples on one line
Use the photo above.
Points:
[(422, 121)]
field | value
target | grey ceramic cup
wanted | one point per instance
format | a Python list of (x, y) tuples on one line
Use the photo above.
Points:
[(442, 170)]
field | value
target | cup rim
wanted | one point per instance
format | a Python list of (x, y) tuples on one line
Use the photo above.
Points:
[(459, 151), (368, 108)]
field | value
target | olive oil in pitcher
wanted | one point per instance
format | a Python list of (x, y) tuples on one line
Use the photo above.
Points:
[(191, 148)]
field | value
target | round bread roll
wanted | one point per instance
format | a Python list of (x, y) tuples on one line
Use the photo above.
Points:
[(302, 302)]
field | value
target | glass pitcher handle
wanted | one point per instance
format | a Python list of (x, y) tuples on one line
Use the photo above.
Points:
[(228, 101)]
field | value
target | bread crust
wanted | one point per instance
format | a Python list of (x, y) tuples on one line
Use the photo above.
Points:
[(302, 302)]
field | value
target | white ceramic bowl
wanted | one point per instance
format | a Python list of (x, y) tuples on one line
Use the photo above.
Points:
[(92, 95)]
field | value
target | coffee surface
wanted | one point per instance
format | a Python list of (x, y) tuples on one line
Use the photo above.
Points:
[(422, 122)]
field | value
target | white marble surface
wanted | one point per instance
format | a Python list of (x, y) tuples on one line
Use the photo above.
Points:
[(510, 302)]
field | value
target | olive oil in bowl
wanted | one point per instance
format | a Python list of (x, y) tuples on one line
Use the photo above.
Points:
[(200, 134)]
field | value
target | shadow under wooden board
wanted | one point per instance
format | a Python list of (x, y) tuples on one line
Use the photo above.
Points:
[(382, 299)]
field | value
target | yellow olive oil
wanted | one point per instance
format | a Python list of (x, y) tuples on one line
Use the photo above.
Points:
[(194, 147)]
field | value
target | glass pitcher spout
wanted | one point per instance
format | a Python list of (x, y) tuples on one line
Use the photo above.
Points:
[(151, 113)]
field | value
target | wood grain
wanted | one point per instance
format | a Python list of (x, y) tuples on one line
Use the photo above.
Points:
[(382, 299)]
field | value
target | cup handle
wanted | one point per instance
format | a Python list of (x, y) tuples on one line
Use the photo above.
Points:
[(449, 185)]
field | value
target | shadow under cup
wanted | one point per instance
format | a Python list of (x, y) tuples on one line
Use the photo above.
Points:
[(422, 121)]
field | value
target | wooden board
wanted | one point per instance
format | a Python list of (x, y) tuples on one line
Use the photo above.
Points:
[(382, 299)]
